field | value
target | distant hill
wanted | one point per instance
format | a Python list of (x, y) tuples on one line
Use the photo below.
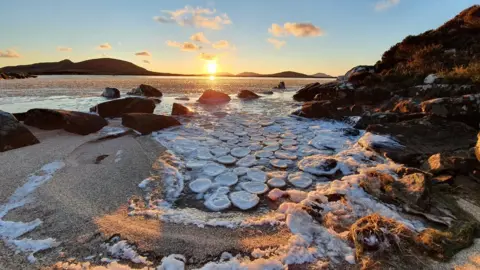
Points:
[(109, 66), (321, 75), (101, 66)]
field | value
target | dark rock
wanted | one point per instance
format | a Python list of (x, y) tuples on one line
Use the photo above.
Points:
[(376, 118), (350, 131), (20, 116), (280, 85), (267, 92), (426, 92), (116, 108), (156, 100), (322, 109), (326, 91), (369, 95), (464, 108), (71, 121), (246, 94), (14, 134), (145, 90), (421, 138), (477, 147), (111, 93), (179, 109), (358, 74), (182, 98), (146, 123), (442, 179), (214, 97)]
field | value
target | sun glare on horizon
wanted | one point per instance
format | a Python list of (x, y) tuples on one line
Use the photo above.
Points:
[(212, 67)]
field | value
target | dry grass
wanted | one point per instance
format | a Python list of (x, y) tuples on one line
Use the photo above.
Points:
[(463, 74)]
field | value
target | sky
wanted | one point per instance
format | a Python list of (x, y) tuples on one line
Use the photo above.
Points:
[(179, 36)]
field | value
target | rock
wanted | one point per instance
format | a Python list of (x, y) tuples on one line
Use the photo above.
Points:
[(407, 106), (214, 97), (111, 93), (267, 92), (20, 116), (325, 91), (75, 122), (280, 85), (145, 90), (323, 109), (146, 123), (464, 108), (179, 109), (182, 98), (156, 100), (443, 162), (421, 138), (14, 134), (431, 91), (246, 94), (358, 73), (477, 147), (431, 79), (116, 108), (375, 119), (442, 179)]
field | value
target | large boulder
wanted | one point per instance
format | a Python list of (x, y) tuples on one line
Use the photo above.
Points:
[(247, 94), (413, 141), (14, 134), (325, 91), (407, 106), (111, 93), (71, 121), (464, 108), (146, 123), (449, 162), (179, 109), (327, 109), (281, 85), (214, 97), (145, 90), (356, 75), (116, 108)]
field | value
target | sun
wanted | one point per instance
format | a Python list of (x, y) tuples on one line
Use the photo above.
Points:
[(212, 67)]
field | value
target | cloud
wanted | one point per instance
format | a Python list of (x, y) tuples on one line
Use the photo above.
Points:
[(295, 29), (386, 4), (185, 46), (195, 17), (9, 54), (199, 37), (144, 53), (146, 61), (64, 49), (207, 57), (277, 43), (104, 46), (222, 44)]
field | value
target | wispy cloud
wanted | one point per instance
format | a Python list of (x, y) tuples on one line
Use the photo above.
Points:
[(295, 29), (9, 53), (144, 53), (64, 49), (146, 61), (207, 57), (200, 37), (222, 44), (185, 46), (386, 4), (277, 43), (104, 46), (196, 17)]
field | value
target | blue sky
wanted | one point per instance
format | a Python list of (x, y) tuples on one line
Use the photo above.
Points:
[(309, 36)]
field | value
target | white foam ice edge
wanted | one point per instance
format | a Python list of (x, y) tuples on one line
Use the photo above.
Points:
[(11, 230)]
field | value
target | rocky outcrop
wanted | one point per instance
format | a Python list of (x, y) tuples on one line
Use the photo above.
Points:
[(214, 97), (111, 93), (358, 74), (464, 108), (75, 122), (116, 108), (377, 118), (413, 141), (281, 85), (145, 90), (179, 109), (477, 147), (247, 94), (449, 163), (407, 106), (14, 75), (146, 123), (426, 91), (326, 109), (326, 91), (14, 134)]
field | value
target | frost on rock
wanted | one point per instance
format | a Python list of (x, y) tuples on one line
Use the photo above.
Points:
[(244, 200), (319, 165), (31, 246), (200, 185)]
